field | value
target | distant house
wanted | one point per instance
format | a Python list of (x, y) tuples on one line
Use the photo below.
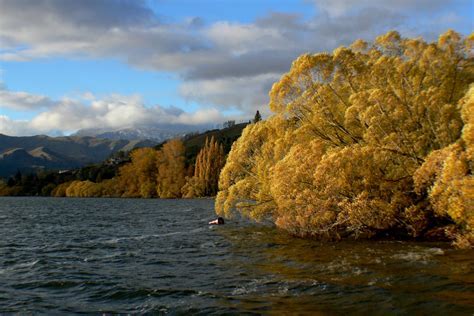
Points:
[(116, 161)]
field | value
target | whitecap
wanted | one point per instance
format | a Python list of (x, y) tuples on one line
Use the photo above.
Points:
[(142, 237), (248, 288), (19, 266), (422, 255), (412, 256), (26, 265), (110, 256), (435, 251), (208, 244)]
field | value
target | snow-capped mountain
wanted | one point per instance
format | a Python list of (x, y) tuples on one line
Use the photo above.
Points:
[(155, 133)]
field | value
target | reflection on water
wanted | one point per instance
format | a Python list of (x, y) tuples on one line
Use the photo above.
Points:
[(382, 277), (138, 256)]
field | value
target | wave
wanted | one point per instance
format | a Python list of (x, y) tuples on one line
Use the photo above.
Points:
[(422, 256), (20, 266), (277, 288), (143, 237)]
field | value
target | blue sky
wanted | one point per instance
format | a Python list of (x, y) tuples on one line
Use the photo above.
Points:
[(58, 77), (67, 65)]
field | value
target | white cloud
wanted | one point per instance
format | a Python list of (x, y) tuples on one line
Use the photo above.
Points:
[(245, 93), (15, 127), (113, 112), (23, 101), (201, 116)]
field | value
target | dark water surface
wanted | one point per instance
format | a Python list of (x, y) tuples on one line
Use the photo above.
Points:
[(60, 256)]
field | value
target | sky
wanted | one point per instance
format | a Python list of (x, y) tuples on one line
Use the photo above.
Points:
[(67, 65)]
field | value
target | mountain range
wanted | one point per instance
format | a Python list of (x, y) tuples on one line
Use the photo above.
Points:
[(158, 133), (33, 153)]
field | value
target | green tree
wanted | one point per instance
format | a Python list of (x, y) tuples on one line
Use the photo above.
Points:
[(257, 117)]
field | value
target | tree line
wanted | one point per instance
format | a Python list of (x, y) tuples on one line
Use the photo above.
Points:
[(148, 173), (112, 177)]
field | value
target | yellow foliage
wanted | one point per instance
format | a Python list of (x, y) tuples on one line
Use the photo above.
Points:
[(351, 135), (60, 190), (5, 190), (138, 179), (150, 173), (244, 181), (209, 163), (106, 188), (448, 179), (84, 189), (194, 187), (467, 112), (171, 169)]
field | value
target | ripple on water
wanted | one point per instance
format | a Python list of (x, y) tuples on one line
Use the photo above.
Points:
[(422, 255), (19, 267), (66, 256)]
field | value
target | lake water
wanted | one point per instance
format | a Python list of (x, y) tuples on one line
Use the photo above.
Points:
[(160, 256)]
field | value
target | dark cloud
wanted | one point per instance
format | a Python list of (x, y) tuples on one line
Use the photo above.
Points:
[(102, 14), (285, 21), (344, 7), (248, 64), (196, 22)]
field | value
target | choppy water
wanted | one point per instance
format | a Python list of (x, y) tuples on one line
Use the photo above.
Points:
[(160, 256)]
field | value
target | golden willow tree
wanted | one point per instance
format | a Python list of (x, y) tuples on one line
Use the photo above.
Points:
[(139, 178), (209, 163), (153, 173), (150, 174), (375, 138), (171, 169)]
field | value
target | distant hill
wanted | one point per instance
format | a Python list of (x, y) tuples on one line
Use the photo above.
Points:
[(226, 136), (41, 152), (107, 156), (157, 133)]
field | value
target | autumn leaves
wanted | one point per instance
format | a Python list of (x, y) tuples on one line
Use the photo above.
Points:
[(209, 163), (157, 173), (373, 139)]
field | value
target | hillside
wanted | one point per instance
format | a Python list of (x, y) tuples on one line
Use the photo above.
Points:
[(194, 142), (41, 158), (34, 153)]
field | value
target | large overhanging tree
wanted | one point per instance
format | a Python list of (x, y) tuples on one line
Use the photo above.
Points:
[(374, 138)]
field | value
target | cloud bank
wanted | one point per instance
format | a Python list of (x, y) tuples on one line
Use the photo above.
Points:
[(222, 65), (112, 112)]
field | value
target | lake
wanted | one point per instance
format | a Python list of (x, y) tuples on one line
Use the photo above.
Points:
[(65, 255)]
